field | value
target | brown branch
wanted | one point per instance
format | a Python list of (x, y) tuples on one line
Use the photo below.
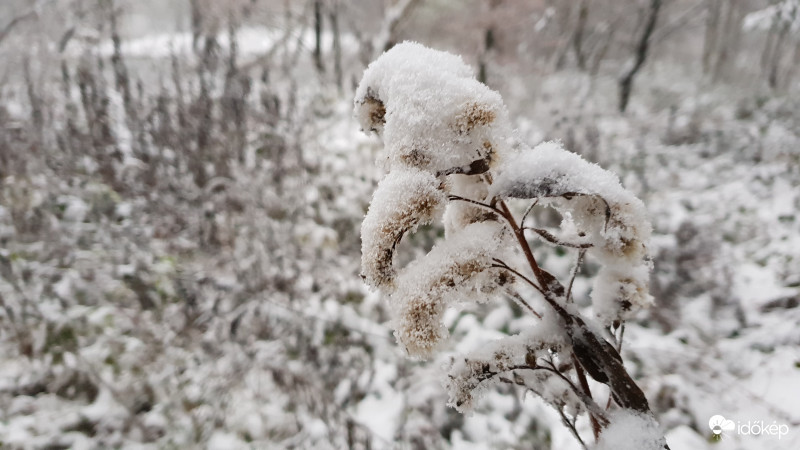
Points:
[(528, 211), (553, 239), (591, 352), (585, 386), (621, 335), (475, 202), (571, 426), (591, 406), (501, 265), (575, 273), (522, 302), (526, 249), (477, 167)]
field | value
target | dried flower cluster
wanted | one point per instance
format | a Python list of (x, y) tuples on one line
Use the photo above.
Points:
[(429, 152), (450, 147)]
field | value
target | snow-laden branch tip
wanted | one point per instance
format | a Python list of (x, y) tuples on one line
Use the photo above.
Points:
[(449, 146), (596, 208)]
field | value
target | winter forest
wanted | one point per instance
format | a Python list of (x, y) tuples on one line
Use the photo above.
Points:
[(400, 224)]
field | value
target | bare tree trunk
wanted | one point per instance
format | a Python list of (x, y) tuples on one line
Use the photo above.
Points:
[(580, 29), (385, 39), (337, 45), (775, 58), (318, 36), (37, 116), (120, 71), (791, 71), (769, 47), (197, 23), (488, 45), (626, 81), (729, 39), (564, 39), (712, 24), (600, 53)]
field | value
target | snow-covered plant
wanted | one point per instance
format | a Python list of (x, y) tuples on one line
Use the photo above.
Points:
[(452, 154)]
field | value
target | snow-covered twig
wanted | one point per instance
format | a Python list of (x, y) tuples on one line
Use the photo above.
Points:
[(432, 114)]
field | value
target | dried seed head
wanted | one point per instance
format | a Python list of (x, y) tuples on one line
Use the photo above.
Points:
[(404, 199), (473, 116), (371, 112)]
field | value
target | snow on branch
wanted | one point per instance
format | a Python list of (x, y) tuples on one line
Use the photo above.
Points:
[(430, 111), (596, 207), (516, 358), (449, 146), (405, 199), (457, 270)]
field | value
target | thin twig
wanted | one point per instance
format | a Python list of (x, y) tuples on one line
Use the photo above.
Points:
[(571, 425), (527, 211), (619, 350), (500, 264), (521, 301), (591, 406), (553, 239), (523, 243), (555, 370), (488, 374), (585, 386), (475, 202), (575, 270)]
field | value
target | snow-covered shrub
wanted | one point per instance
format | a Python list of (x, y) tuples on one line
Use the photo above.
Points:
[(450, 146)]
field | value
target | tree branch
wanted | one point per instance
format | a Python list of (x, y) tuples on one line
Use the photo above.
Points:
[(501, 265), (575, 273), (553, 239), (626, 81)]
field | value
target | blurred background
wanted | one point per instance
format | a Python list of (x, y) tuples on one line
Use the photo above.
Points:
[(182, 186)]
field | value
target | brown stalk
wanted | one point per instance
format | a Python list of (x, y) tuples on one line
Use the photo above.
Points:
[(591, 353)]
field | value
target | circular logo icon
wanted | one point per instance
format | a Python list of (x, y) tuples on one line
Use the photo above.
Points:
[(718, 424)]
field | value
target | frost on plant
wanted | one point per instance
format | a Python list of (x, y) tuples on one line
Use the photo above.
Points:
[(599, 214), (456, 270), (405, 199), (451, 153)]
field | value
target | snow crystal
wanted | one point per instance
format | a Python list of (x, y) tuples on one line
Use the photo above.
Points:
[(630, 430)]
